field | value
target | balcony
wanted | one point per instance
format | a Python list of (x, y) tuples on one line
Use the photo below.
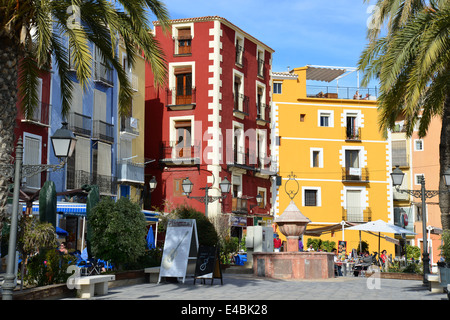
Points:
[(129, 127), (183, 98), (262, 114), (77, 178), (130, 172), (134, 81), (352, 134), (103, 74), (267, 165), (173, 153), (80, 124), (334, 92), (40, 116), (241, 105), (239, 158), (355, 175), (103, 131), (357, 214), (239, 206)]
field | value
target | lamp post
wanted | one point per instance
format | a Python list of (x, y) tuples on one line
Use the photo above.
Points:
[(259, 200), (63, 142), (397, 179), (225, 187)]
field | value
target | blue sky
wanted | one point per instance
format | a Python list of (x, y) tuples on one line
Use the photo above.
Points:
[(317, 32)]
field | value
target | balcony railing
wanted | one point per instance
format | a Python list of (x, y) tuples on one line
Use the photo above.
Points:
[(239, 205), (103, 131), (134, 81), (177, 153), (130, 172), (357, 214), (241, 103), (80, 123), (185, 96), (77, 178), (239, 157), (262, 112), (334, 92), (353, 134), (129, 125), (103, 73), (355, 174), (41, 114)]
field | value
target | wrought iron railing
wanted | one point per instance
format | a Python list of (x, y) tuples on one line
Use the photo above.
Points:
[(355, 174), (181, 96), (77, 178), (129, 125), (241, 103), (103, 131), (335, 92), (239, 205), (357, 214), (80, 123), (40, 115), (173, 151)]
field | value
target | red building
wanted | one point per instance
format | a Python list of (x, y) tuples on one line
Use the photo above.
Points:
[(33, 129), (211, 120)]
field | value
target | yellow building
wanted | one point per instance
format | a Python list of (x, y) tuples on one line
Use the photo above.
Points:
[(328, 137), (131, 161)]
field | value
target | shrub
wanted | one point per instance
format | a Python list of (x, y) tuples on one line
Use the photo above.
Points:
[(48, 267), (118, 231)]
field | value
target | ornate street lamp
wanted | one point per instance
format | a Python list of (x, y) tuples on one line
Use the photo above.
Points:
[(397, 178), (153, 183), (224, 186), (63, 145)]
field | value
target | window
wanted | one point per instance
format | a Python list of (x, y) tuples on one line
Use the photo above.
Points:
[(177, 187), (352, 158), (183, 41), (418, 145), (277, 87), (183, 81), (183, 142), (262, 193), (260, 57), (240, 101), (326, 118), (316, 158), (32, 155), (261, 102), (302, 117), (310, 198), (239, 51)]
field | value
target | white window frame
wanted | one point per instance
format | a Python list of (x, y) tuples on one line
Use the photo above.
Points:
[(172, 78), (329, 114), (318, 194), (264, 98), (241, 141), (311, 153), (422, 145), (175, 29), (265, 195), (38, 161), (280, 91), (240, 40), (173, 131), (241, 88)]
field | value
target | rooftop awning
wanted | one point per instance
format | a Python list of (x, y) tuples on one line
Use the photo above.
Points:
[(327, 74), (317, 232), (67, 208)]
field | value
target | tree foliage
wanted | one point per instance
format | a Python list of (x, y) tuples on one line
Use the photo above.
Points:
[(118, 231)]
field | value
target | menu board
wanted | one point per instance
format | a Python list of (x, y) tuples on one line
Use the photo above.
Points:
[(342, 251), (181, 243), (208, 264)]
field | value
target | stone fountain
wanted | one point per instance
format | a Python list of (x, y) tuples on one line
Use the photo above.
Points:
[(292, 264)]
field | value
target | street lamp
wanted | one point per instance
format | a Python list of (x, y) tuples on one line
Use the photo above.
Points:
[(224, 186), (397, 179), (153, 183), (63, 145), (258, 201)]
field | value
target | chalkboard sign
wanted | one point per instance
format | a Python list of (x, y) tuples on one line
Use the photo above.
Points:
[(208, 264)]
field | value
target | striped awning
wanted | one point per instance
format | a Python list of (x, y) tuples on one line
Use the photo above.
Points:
[(151, 216), (67, 208)]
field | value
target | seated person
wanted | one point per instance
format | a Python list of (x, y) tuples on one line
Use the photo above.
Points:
[(363, 264)]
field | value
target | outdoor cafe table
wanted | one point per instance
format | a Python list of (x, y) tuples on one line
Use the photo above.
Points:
[(347, 267)]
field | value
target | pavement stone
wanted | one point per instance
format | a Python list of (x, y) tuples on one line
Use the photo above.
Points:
[(247, 287)]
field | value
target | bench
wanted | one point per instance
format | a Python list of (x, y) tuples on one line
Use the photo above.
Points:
[(88, 286), (153, 274), (433, 280)]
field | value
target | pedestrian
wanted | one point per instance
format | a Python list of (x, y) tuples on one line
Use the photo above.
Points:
[(310, 248), (337, 264), (277, 243), (300, 245)]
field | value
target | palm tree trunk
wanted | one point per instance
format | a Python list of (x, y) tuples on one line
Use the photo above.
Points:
[(444, 161), (9, 61)]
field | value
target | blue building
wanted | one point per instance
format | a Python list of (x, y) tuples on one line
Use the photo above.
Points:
[(93, 119)]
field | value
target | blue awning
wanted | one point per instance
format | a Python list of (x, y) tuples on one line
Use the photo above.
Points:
[(151, 216), (67, 208)]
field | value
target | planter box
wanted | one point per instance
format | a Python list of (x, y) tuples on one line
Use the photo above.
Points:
[(397, 275)]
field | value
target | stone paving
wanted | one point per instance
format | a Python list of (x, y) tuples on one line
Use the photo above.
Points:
[(247, 287)]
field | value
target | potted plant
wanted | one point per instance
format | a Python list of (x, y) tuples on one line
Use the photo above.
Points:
[(444, 266)]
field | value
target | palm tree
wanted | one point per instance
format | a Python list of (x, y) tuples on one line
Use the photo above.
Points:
[(33, 32), (412, 63)]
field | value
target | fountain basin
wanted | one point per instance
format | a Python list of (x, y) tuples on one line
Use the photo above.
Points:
[(294, 265)]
